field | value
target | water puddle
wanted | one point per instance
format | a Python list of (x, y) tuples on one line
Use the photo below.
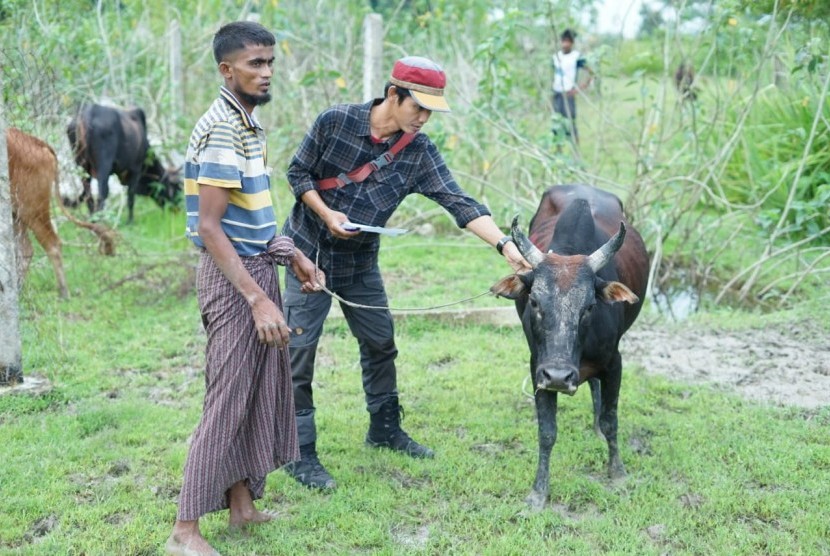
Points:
[(678, 300), (675, 302)]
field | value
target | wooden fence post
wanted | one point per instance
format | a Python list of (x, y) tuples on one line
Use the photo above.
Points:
[(11, 371), (372, 56), (176, 81)]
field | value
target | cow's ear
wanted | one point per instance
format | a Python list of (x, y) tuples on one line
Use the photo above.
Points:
[(513, 286), (613, 292)]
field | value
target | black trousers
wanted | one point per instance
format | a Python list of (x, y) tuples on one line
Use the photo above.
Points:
[(373, 329), (565, 106)]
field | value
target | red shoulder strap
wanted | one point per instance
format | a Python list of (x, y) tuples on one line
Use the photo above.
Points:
[(360, 174)]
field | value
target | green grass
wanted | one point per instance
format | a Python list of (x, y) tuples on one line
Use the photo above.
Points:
[(94, 466)]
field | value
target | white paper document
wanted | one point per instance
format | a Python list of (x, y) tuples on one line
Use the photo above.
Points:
[(354, 227)]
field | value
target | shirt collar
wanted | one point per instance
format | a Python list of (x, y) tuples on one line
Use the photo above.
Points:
[(248, 119)]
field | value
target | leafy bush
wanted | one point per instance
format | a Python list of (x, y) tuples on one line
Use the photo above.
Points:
[(778, 153)]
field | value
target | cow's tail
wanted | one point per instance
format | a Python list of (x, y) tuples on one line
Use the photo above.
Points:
[(106, 236)]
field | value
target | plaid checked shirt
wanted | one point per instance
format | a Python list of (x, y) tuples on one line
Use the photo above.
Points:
[(340, 141)]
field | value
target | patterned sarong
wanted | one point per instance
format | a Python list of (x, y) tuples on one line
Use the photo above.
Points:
[(248, 427)]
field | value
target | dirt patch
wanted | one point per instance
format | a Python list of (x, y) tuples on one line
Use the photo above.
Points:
[(786, 364), (41, 527), (640, 441), (165, 387), (571, 513), (497, 448), (32, 385), (411, 538)]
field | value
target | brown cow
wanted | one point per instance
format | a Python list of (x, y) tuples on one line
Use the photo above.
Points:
[(33, 177)]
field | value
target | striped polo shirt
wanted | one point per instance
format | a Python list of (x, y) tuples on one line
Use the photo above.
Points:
[(227, 149)]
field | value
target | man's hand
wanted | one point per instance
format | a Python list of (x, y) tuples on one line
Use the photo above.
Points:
[(331, 218), (271, 327), (334, 222), (311, 277), (514, 258)]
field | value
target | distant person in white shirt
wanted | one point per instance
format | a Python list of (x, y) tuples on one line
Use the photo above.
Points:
[(566, 65)]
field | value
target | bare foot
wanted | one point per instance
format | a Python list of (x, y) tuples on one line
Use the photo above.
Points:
[(188, 545), (240, 520)]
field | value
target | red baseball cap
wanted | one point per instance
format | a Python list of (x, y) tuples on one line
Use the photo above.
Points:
[(425, 80)]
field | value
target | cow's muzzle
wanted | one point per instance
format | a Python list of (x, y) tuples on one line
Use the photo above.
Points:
[(557, 379)]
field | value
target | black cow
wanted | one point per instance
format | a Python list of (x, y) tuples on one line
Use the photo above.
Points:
[(108, 141), (570, 310)]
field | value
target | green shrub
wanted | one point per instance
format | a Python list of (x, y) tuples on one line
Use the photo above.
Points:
[(772, 153)]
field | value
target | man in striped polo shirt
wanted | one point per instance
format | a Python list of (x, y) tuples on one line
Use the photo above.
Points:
[(247, 428), (342, 139)]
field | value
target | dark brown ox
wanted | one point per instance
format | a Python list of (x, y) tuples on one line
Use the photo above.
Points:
[(33, 178), (108, 141), (584, 292), (684, 81)]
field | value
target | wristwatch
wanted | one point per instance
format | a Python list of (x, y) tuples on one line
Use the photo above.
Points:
[(502, 242)]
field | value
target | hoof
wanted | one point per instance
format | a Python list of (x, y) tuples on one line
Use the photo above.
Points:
[(536, 501), (617, 472)]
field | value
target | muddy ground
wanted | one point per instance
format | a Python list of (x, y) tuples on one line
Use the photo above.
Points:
[(784, 364)]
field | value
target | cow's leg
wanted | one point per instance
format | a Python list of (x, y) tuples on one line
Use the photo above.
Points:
[(86, 195), (51, 243), (103, 176), (132, 187), (608, 418), (546, 419), (596, 398), (24, 249), (103, 193)]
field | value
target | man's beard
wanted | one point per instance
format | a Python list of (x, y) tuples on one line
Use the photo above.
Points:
[(254, 100)]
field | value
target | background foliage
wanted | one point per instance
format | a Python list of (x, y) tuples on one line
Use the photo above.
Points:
[(745, 165)]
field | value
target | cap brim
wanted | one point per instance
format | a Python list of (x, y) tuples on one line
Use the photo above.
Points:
[(430, 102)]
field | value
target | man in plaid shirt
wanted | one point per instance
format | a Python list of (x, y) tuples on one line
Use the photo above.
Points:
[(342, 139)]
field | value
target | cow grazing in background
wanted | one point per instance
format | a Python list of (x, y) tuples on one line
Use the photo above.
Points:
[(33, 178), (107, 140), (684, 80), (590, 271)]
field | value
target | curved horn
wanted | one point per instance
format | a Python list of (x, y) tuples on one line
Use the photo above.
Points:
[(529, 251), (604, 254)]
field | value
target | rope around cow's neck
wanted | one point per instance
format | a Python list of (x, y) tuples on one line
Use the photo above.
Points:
[(387, 307)]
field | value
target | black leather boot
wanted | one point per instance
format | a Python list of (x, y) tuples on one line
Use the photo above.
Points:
[(385, 431), (309, 471)]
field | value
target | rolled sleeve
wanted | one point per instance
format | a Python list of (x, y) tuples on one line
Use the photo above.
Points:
[(299, 179), (301, 171)]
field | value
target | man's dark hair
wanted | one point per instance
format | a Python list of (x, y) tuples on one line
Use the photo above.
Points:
[(400, 91), (239, 34), (568, 35)]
